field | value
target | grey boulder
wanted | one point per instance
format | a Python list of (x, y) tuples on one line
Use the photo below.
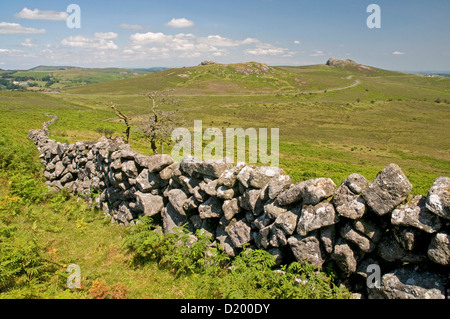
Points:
[(438, 199), (390, 188), (406, 283)]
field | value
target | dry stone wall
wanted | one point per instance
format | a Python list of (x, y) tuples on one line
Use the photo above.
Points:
[(353, 225)]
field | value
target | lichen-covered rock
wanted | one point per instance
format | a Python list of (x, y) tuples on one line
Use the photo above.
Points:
[(272, 209), (146, 181), (439, 249), (307, 249), (344, 257), (212, 208), (277, 236), (411, 239), (438, 199), (189, 184), (213, 168), (310, 192), (239, 233), (415, 214), (225, 192), (292, 195), (177, 198), (166, 173), (348, 200), (390, 188), (244, 175), (262, 237), (406, 283), (261, 222), (149, 204), (362, 242), (130, 169), (225, 241), (327, 237), (278, 184), (316, 190), (315, 217), (261, 175), (251, 201), (390, 250), (210, 188), (189, 165), (172, 218), (123, 213), (372, 230), (154, 163), (229, 177), (230, 208), (288, 221), (59, 169)]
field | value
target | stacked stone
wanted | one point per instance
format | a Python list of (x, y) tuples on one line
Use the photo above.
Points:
[(351, 226)]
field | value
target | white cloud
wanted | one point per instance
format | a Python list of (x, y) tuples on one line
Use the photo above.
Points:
[(317, 53), (130, 26), (296, 42), (180, 23), (398, 53), (188, 45), (10, 52), (28, 43), (217, 40), (250, 41), (15, 28), (267, 49), (101, 41), (100, 49), (36, 14), (150, 37)]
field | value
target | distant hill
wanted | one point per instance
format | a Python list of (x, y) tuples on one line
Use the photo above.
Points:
[(151, 70), (47, 68)]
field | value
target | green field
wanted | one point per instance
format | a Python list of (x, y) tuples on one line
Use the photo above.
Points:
[(333, 122)]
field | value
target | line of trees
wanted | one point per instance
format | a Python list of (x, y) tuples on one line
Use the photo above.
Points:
[(8, 85)]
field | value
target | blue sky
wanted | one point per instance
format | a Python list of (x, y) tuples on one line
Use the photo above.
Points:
[(414, 35)]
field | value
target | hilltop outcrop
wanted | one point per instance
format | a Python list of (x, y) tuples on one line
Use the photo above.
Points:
[(333, 62)]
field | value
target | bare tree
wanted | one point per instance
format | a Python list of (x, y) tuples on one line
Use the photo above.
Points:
[(157, 126), (126, 121)]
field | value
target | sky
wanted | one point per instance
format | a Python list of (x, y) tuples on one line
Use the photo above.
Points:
[(412, 35)]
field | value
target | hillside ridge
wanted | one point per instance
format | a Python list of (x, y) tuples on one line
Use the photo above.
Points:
[(239, 78)]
